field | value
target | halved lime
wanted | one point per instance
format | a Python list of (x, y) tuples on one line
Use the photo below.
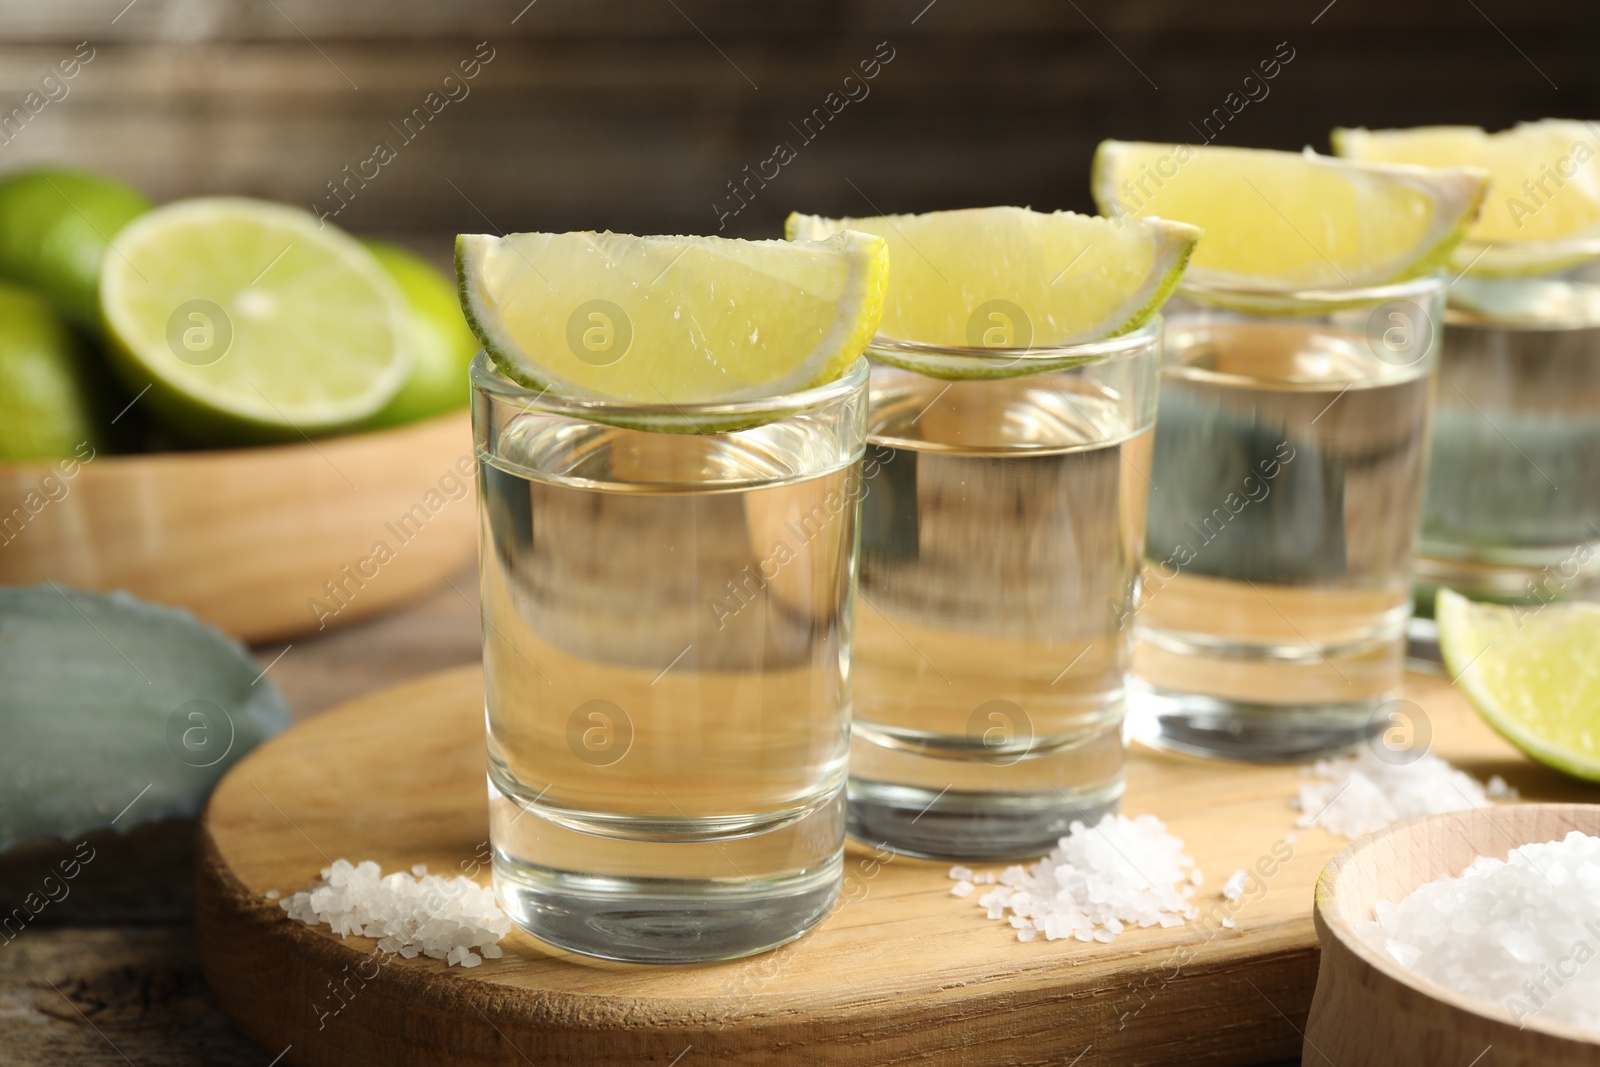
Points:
[(1532, 674), (671, 320), (441, 345), (1544, 192), (55, 228), (1008, 277), (251, 321), (1285, 221)]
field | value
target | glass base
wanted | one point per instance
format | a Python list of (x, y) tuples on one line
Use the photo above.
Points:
[(1256, 733), (979, 827), (664, 920)]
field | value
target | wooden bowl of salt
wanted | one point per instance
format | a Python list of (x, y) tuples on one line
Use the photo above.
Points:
[(1369, 1010)]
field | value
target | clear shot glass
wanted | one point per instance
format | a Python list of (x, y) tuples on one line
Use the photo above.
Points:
[(667, 624), (1289, 462), (1512, 508), (1001, 536)]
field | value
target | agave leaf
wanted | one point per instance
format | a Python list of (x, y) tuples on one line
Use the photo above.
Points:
[(116, 712)]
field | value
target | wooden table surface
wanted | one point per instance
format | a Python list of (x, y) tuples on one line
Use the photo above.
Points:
[(131, 992)]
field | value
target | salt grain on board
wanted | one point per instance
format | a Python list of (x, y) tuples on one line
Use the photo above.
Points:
[(1097, 882), (1519, 932), (414, 915), (1357, 795)]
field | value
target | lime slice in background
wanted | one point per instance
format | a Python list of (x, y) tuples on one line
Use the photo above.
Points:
[(252, 322), (960, 275), (1283, 221), (55, 228), (1544, 191), (48, 404), (671, 320), (441, 345), (1531, 673)]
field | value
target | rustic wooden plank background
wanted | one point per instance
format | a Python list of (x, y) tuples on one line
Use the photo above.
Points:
[(634, 115)]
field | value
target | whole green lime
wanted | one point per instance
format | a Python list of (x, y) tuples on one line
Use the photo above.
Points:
[(48, 397), (55, 228), (441, 344)]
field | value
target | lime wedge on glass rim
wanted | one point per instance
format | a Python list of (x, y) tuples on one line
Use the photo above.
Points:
[(251, 321), (1288, 221), (1007, 278), (1530, 672), (663, 323), (1543, 211)]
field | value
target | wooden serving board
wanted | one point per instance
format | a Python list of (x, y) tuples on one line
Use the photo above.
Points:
[(901, 972)]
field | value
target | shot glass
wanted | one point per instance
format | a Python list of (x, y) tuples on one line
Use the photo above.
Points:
[(667, 627), (1512, 508), (1288, 474), (1001, 536)]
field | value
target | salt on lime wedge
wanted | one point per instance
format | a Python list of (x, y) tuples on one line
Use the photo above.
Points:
[(1285, 221), (1530, 672), (671, 320), (1544, 193), (1008, 277), (251, 321)]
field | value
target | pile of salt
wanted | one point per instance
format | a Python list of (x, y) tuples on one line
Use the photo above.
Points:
[(412, 914), (1098, 881), (1519, 932), (1357, 795)]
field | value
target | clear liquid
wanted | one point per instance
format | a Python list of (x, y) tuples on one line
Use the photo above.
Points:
[(1512, 509), (1001, 535), (1288, 471), (666, 653)]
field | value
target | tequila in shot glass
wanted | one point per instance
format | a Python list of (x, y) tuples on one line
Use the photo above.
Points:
[(1512, 509), (1287, 484), (668, 547), (1002, 529), (1013, 397), (667, 640)]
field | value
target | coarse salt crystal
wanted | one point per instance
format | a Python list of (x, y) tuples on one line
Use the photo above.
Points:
[(417, 914), (1227, 922), (1098, 881), (272, 894), (961, 889), (1518, 932), (961, 874), (1233, 888), (1357, 795)]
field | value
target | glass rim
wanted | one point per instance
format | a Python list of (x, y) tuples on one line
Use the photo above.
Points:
[(1087, 350), (487, 378), (1421, 285)]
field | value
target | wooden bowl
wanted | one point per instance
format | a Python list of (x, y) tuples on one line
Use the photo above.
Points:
[(261, 542), (1368, 1010)]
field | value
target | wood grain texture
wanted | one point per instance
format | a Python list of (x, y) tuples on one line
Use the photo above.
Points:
[(901, 972), (632, 116), (1407, 1019), (249, 540)]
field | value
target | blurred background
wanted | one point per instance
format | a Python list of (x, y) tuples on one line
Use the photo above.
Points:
[(636, 116)]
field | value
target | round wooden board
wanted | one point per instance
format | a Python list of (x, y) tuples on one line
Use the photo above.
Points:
[(900, 972)]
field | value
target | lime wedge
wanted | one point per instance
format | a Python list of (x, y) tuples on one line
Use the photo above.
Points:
[(1007, 277), (1545, 187), (1530, 672), (671, 320), (1284, 221), (251, 321)]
